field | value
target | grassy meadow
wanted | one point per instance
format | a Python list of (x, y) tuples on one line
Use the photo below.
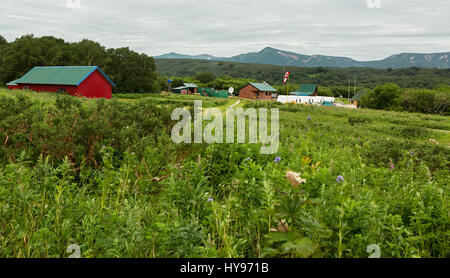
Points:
[(105, 175)]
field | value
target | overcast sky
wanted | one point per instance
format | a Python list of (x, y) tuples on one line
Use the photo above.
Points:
[(230, 27)]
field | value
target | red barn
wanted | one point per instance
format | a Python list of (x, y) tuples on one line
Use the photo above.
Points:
[(90, 82)]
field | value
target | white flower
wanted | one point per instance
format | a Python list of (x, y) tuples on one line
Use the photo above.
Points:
[(434, 141), (295, 179)]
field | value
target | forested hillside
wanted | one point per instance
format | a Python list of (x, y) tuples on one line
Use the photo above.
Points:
[(365, 77)]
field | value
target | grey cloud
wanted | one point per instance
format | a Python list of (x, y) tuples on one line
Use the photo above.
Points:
[(226, 28)]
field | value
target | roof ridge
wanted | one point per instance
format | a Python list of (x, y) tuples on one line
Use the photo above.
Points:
[(263, 86), (43, 67), (61, 75)]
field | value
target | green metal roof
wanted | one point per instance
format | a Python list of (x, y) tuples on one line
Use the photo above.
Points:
[(307, 89), (12, 83), (190, 85), (59, 75), (263, 87), (359, 95)]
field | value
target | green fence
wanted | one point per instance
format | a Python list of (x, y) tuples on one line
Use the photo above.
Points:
[(220, 94), (212, 93)]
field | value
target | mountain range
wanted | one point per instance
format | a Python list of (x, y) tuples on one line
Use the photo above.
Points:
[(272, 56)]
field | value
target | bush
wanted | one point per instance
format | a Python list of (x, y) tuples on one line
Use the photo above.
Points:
[(382, 97), (426, 101)]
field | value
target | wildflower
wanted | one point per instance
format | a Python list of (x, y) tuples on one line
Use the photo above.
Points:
[(277, 159), (340, 179), (295, 179), (434, 141), (392, 166), (210, 200), (412, 153), (309, 118), (248, 159)]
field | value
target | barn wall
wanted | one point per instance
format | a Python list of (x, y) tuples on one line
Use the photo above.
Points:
[(72, 90), (95, 86), (248, 92)]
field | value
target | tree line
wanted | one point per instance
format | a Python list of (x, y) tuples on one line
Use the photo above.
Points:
[(391, 97), (130, 71), (423, 78)]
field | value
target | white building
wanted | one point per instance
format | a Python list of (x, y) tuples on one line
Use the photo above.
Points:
[(306, 100)]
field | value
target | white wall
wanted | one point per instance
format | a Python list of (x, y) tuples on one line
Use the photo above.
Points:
[(303, 99)]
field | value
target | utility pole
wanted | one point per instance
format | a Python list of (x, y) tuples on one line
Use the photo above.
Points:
[(289, 77), (348, 91)]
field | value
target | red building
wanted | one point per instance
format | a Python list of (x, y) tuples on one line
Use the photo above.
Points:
[(12, 85), (258, 91), (90, 82)]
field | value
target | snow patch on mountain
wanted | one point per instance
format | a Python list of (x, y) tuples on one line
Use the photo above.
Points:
[(288, 56)]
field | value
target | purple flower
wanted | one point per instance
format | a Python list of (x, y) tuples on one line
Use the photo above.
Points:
[(248, 159), (340, 179), (309, 118), (412, 153), (391, 166), (210, 200), (277, 159)]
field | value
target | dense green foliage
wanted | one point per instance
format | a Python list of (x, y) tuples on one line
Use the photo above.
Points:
[(391, 97), (105, 175), (132, 72), (3, 41), (327, 77), (382, 97)]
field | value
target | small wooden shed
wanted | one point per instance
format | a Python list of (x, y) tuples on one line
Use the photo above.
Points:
[(258, 91), (186, 89)]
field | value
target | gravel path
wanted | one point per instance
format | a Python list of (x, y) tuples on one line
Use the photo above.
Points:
[(234, 105)]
